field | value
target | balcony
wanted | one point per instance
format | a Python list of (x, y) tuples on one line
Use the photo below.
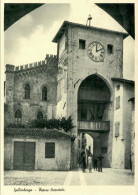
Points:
[(94, 126)]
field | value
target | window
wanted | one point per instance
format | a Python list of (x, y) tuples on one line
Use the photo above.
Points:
[(81, 44), (83, 114), (117, 127), (44, 93), (117, 102), (104, 150), (109, 49), (118, 87), (49, 150), (27, 91), (18, 116), (39, 115)]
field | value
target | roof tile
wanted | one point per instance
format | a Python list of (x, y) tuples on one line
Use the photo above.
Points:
[(45, 133)]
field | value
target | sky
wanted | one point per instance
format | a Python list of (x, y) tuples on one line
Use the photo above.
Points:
[(30, 38)]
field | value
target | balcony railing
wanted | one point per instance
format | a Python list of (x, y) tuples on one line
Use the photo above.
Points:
[(94, 125)]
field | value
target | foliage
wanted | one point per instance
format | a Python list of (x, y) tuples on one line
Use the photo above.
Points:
[(61, 123), (14, 125)]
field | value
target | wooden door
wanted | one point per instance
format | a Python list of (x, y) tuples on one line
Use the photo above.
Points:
[(29, 155), (18, 156), (24, 156)]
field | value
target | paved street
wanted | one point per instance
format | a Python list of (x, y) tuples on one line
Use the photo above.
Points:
[(69, 178)]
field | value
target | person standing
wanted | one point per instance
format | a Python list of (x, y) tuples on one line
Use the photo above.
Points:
[(83, 163), (90, 163), (100, 163), (95, 161)]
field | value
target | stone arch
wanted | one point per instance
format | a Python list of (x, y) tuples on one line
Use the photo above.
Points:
[(48, 92), (94, 117), (104, 78), (93, 97), (27, 82), (30, 90), (40, 111), (18, 115), (45, 85)]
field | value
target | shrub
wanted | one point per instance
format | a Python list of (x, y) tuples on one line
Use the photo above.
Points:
[(61, 123), (14, 125)]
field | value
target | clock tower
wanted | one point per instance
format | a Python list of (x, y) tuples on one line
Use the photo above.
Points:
[(88, 58)]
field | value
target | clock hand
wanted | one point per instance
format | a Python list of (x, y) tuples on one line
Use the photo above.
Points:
[(96, 48), (99, 49)]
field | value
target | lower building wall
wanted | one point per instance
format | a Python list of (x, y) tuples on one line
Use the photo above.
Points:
[(104, 143), (8, 154), (118, 153), (62, 155), (60, 162)]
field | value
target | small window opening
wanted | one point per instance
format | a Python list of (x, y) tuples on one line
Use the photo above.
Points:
[(118, 87), (104, 150), (39, 116), (81, 44), (49, 150), (117, 128), (18, 116), (117, 102), (44, 93), (110, 49), (27, 91)]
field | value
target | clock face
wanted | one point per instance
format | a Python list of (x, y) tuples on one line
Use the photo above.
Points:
[(96, 51)]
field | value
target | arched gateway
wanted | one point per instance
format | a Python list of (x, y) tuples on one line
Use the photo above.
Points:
[(86, 82), (91, 89), (94, 117)]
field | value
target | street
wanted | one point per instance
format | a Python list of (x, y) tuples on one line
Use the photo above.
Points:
[(76, 177)]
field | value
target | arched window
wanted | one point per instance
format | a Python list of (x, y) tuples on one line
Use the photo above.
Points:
[(39, 115), (27, 91), (44, 93), (18, 116)]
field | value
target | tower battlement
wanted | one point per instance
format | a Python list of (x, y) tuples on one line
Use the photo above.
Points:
[(50, 60), (51, 57), (31, 65)]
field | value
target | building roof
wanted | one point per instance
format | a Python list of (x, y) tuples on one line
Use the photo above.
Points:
[(44, 133), (66, 23), (123, 80)]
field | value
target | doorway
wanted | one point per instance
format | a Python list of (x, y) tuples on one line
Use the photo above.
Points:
[(24, 156)]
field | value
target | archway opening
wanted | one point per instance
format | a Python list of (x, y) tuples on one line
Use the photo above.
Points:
[(93, 97), (89, 144), (94, 113)]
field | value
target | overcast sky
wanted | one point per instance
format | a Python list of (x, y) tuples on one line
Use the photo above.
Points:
[(30, 38)]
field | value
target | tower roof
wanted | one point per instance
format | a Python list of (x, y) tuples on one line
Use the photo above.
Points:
[(67, 23)]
